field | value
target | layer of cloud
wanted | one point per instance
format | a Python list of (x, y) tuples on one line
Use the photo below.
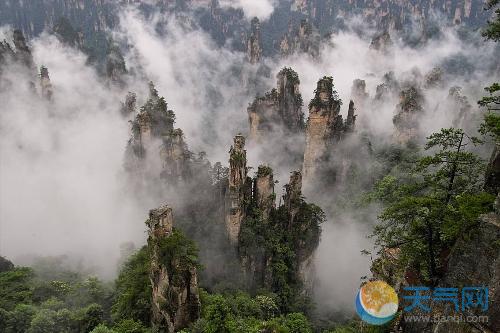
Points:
[(254, 8)]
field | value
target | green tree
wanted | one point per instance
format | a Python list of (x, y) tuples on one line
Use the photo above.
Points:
[(429, 208), (133, 289), (19, 320), (130, 326), (492, 30), (102, 329), (15, 287), (491, 124), (44, 322), (89, 317)]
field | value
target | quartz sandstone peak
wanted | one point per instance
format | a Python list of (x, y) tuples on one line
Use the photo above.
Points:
[(239, 191), (303, 39), (254, 47), (408, 112), (45, 84), (264, 195), (324, 111), (325, 128), (175, 299), (280, 110)]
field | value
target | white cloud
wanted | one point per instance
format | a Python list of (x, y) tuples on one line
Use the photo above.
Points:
[(252, 8)]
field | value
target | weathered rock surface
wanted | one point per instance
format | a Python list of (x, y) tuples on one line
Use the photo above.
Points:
[(279, 110), (155, 143), (303, 39), (264, 195), (325, 127), (45, 84), (175, 299), (359, 95), (18, 53), (492, 181), (254, 48), (408, 112), (240, 189), (458, 102)]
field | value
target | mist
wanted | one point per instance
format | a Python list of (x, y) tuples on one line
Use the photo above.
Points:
[(63, 188)]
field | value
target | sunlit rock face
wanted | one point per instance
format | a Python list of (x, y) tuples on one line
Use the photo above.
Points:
[(175, 299)]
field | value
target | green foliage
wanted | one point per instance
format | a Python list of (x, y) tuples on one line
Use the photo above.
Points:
[(102, 329), (492, 30), (326, 83), (291, 323), (19, 320), (15, 287), (276, 239), (426, 210), (491, 124), (178, 253), (133, 289), (89, 317), (264, 170), (235, 313), (130, 326)]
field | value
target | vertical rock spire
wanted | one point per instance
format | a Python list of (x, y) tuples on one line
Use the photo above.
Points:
[(45, 84), (23, 52), (239, 188), (293, 195), (280, 109), (324, 111), (264, 190), (175, 299), (254, 47), (408, 112)]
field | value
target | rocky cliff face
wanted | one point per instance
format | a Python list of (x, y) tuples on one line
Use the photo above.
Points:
[(267, 228), (18, 53), (175, 298), (239, 188), (359, 95), (381, 42), (303, 39), (264, 195), (45, 84), (459, 102), (152, 132), (115, 65), (408, 112), (325, 127), (492, 181), (254, 48), (280, 110)]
